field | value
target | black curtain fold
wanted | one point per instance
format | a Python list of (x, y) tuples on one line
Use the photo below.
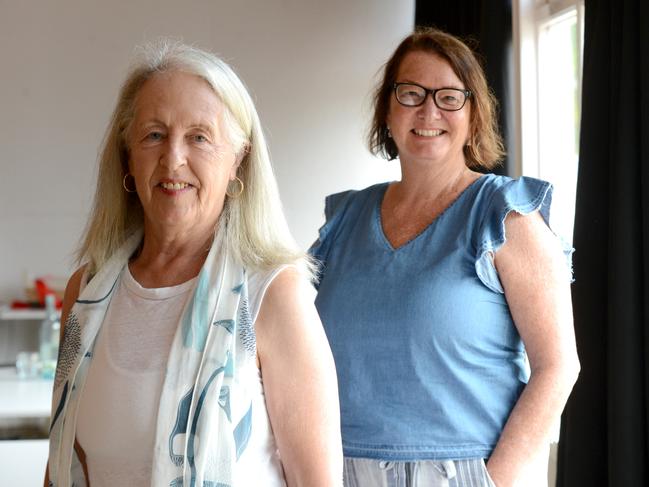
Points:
[(486, 25), (605, 427)]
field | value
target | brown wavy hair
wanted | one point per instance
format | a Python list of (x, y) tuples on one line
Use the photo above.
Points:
[(485, 147)]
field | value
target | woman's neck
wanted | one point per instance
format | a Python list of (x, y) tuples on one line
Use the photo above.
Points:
[(169, 258), (410, 205), (419, 187)]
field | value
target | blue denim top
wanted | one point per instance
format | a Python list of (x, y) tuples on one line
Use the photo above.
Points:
[(429, 361)]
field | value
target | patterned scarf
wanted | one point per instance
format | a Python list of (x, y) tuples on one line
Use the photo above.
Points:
[(205, 412)]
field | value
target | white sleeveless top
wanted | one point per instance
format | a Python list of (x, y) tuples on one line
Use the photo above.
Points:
[(117, 417)]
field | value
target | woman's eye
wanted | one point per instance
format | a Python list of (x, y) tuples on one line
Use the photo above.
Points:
[(154, 136), (412, 94), (450, 101), (199, 138)]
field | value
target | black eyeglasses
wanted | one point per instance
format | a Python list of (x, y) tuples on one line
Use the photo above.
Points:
[(413, 95)]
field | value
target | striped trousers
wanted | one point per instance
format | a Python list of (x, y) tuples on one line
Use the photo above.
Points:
[(361, 472)]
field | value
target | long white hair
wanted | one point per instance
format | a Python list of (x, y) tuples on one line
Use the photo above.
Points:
[(257, 232)]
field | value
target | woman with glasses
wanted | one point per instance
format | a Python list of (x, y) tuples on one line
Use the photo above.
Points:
[(445, 296)]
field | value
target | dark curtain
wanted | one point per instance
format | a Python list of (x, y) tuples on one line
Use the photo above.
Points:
[(604, 435), (487, 26)]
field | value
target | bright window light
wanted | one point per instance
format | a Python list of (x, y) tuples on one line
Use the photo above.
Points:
[(548, 36), (559, 80)]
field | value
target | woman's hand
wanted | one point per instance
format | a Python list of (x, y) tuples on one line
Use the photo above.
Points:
[(299, 383), (536, 280)]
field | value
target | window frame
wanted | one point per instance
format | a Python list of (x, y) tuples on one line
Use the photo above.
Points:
[(530, 17)]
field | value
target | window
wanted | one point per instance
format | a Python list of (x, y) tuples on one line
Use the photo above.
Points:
[(549, 38)]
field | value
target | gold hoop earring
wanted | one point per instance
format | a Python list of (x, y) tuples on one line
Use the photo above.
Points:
[(124, 183), (238, 193)]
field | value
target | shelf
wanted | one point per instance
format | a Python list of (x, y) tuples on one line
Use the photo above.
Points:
[(8, 314)]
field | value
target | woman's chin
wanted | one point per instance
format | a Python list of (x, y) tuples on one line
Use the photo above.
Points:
[(179, 221)]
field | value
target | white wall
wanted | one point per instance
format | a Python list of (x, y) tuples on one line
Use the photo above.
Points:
[(310, 65)]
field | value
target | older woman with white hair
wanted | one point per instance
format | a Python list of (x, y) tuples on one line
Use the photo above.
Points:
[(192, 354)]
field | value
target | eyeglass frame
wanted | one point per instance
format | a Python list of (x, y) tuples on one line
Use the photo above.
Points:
[(467, 94)]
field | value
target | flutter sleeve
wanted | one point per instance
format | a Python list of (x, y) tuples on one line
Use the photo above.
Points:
[(524, 195), (335, 205)]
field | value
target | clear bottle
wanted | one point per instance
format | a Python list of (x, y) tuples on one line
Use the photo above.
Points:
[(49, 338)]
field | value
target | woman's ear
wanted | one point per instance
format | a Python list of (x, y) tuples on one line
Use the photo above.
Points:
[(241, 155), (243, 152)]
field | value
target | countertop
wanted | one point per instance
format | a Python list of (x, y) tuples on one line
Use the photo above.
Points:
[(22, 462), (24, 398), (23, 403)]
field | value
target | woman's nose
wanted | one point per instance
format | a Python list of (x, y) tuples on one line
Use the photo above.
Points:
[(174, 154), (429, 109)]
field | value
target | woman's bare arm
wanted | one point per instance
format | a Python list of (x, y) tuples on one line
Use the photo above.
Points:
[(300, 383), (536, 281), (69, 298)]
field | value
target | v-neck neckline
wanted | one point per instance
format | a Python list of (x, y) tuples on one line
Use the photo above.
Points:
[(379, 219)]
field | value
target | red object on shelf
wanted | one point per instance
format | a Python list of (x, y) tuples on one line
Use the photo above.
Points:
[(25, 305), (42, 290)]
